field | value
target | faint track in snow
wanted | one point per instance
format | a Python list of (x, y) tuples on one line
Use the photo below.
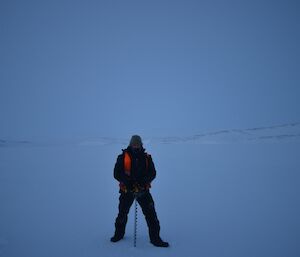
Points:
[(289, 132)]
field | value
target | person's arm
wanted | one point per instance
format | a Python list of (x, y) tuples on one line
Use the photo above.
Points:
[(151, 170), (118, 168)]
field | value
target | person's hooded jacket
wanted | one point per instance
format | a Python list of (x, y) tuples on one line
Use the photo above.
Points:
[(142, 170)]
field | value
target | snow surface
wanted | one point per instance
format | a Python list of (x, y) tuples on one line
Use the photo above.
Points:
[(221, 199)]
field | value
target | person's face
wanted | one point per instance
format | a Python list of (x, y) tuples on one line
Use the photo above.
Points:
[(136, 147)]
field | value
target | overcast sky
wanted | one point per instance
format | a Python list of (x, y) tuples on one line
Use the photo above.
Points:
[(73, 69)]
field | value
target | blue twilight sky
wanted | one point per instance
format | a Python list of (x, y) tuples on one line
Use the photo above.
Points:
[(73, 69)]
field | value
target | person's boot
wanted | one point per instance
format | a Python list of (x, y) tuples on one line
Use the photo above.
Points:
[(117, 237), (159, 242), (119, 232), (154, 230)]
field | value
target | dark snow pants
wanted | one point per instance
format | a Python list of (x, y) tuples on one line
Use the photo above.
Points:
[(146, 202)]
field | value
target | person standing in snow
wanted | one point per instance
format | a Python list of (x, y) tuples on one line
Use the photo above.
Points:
[(135, 170)]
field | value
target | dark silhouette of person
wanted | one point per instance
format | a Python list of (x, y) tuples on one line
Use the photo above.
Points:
[(135, 170)]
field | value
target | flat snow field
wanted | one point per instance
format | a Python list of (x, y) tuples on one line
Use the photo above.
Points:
[(235, 200)]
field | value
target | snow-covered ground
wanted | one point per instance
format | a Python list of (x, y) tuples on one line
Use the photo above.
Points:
[(218, 198)]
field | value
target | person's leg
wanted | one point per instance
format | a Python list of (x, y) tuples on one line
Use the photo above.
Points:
[(125, 202), (147, 204)]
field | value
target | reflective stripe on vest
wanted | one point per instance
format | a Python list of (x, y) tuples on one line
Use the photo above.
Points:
[(127, 163)]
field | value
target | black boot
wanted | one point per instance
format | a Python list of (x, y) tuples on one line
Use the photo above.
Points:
[(117, 237), (119, 232), (155, 239), (159, 243)]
